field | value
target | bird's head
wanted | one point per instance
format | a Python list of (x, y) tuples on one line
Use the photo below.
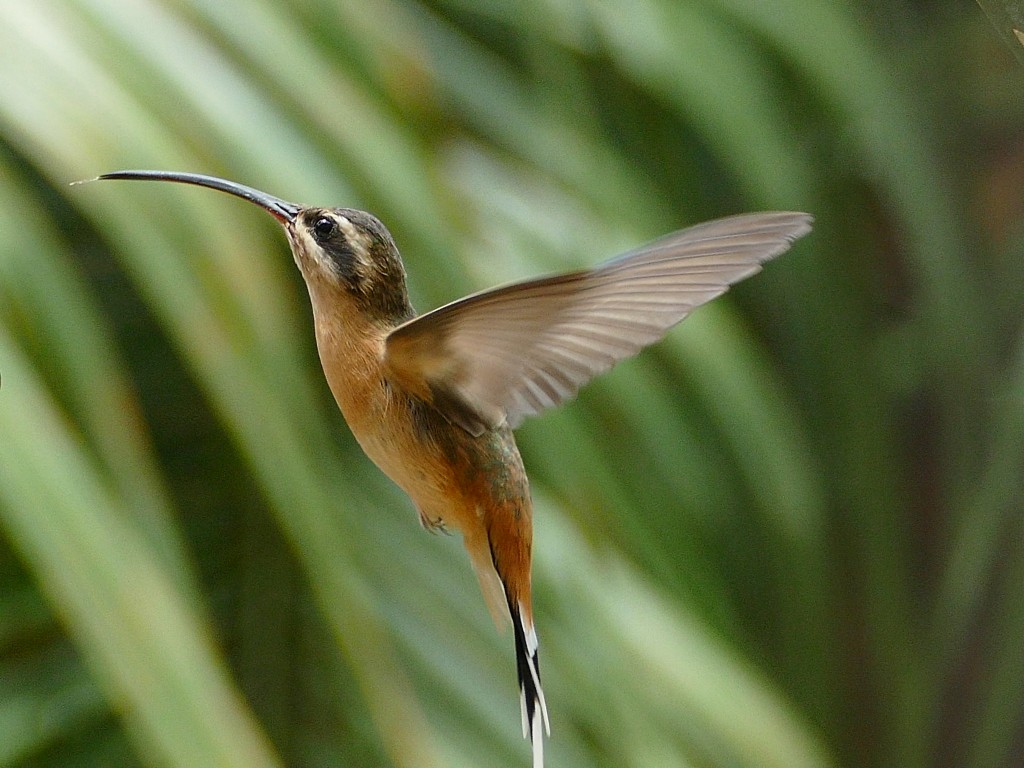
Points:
[(344, 255)]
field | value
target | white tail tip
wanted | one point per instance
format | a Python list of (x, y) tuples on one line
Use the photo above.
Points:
[(538, 739)]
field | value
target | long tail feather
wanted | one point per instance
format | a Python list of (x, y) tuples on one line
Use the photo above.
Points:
[(534, 708)]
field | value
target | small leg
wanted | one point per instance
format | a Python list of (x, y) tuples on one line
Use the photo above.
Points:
[(432, 524)]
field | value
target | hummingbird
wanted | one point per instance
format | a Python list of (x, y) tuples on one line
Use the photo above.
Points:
[(433, 399)]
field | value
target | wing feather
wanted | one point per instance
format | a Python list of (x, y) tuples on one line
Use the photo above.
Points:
[(516, 350)]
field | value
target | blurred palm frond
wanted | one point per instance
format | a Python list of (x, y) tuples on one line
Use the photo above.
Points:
[(786, 536)]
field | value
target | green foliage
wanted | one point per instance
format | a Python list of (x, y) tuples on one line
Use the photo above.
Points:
[(788, 536)]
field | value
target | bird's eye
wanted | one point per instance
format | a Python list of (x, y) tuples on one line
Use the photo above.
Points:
[(323, 228)]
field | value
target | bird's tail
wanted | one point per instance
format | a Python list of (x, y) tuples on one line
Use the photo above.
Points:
[(531, 695)]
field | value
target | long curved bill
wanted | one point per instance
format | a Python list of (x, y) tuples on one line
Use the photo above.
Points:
[(281, 210)]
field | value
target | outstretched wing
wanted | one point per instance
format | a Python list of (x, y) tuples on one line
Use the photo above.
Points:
[(513, 351)]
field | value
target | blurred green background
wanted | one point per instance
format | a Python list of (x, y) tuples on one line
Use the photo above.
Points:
[(790, 535)]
